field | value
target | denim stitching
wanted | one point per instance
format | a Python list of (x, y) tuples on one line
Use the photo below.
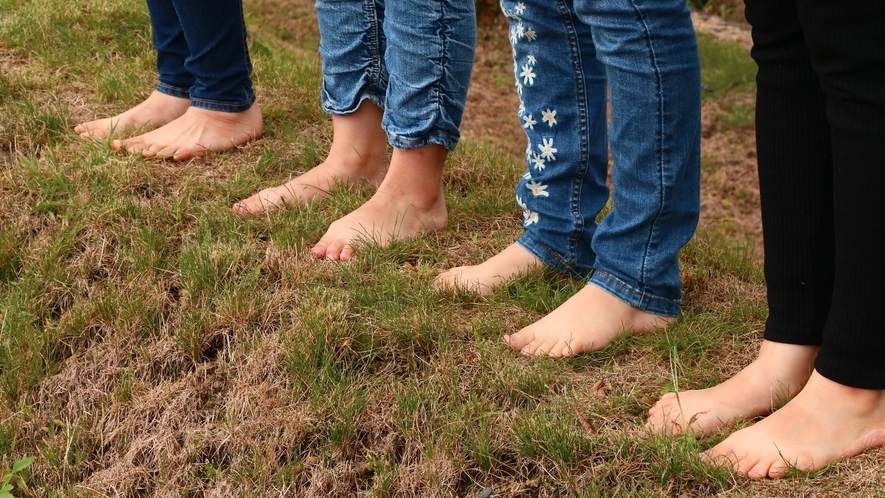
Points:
[(658, 140)]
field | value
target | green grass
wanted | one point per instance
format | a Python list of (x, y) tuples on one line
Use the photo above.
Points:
[(151, 343)]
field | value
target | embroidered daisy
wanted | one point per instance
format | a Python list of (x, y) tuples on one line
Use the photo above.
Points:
[(527, 175), (521, 107), (532, 59), (528, 76), (549, 117), (529, 218), (520, 30), (528, 151), (530, 34), (529, 122), (538, 161), (513, 38), (538, 189), (547, 150), (521, 204), (520, 8), (518, 88)]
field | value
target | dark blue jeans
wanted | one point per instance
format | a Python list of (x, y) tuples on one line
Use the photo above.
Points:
[(202, 53)]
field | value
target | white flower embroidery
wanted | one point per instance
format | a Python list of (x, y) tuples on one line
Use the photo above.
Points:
[(520, 30), (528, 151), (529, 217), (549, 117), (538, 189), (521, 107), (528, 76), (539, 162), (531, 59), (547, 150), (521, 204), (518, 88), (527, 175), (530, 34), (520, 8), (529, 122), (513, 38)]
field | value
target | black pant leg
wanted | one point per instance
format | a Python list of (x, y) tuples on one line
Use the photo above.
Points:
[(847, 47), (793, 144)]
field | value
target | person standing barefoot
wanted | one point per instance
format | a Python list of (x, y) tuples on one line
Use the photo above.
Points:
[(204, 99), (820, 119), (568, 58), (396, 73)]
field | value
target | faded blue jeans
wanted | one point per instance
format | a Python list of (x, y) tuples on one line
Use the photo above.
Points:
[(412, 58), (202, 53), (567, 55)]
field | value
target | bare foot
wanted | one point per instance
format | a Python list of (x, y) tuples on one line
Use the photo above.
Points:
[(824, 423), (409, 201), (771, 380), (197, 131), (589, 321), (358, 155), (158, 110), (484, 277)]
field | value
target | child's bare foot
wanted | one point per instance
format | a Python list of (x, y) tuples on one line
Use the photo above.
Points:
[(777, 375), (196, 132), (358, 155), (409, 201), (158, 110), (589, 321), (825, 422), (484, 277)]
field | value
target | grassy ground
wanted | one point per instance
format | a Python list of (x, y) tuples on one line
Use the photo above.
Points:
[(152, 344)]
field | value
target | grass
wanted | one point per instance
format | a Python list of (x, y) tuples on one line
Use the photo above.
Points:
[(151, 343)]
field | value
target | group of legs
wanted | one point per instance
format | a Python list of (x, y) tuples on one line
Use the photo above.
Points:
[(397, 73)]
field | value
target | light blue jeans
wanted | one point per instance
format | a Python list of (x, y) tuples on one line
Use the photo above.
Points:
[(412, 58), (567, 55)]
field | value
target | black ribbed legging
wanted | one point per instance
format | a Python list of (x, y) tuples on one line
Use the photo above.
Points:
[(820, 130)]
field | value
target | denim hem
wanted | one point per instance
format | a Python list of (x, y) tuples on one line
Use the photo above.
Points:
[(551, 259), (644, 302), (223, 106), (351, 108), (403, 143), (173, 91)]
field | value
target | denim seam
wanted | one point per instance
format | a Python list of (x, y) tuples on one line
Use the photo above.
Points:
[(245, 105), (658, 141), (583, 146), (374, 44), (447, 36)]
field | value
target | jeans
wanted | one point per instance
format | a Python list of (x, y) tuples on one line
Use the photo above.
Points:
[(412, 58), (202, 53), (567, 55)]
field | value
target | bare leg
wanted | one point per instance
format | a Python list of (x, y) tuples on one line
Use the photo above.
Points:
[(156, 111), (776, 376), (358, 155), (409, 201), (825, 422), (486, 276), (196, 132), (589, 321)]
